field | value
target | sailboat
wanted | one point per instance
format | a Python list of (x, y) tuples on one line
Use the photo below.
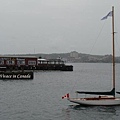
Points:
[(103, 98)]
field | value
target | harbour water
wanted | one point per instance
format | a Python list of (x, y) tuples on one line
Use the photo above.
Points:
[(40, 98)]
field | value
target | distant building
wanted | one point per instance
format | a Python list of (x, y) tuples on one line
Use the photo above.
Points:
[(74, 54)]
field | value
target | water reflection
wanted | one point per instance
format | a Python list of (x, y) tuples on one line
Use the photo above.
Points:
[(107, 109), (99, 112)]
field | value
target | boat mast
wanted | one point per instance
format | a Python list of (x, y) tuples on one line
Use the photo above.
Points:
[(113, 57)]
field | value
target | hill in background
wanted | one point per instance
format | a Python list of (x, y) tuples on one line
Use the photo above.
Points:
[(76, 57)]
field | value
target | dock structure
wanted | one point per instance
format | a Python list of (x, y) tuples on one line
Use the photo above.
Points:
[(23, 67), (16, 63), (53, 64)]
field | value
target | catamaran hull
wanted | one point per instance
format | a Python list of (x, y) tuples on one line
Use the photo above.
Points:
[(108, 102)]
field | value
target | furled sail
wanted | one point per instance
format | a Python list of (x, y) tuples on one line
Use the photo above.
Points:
[(112, 92)]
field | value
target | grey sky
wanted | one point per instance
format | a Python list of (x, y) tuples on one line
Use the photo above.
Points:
[(57, 26)]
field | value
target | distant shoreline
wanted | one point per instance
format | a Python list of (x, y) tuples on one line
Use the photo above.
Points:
[(74, 57)]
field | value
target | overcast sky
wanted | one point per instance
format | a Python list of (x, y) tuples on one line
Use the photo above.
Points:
[(57, 26)]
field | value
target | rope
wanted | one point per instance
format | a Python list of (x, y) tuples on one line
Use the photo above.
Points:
[(116, 40), (92, 48), (98, 36)]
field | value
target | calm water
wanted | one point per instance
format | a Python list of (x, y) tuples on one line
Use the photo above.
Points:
[(40, 99)]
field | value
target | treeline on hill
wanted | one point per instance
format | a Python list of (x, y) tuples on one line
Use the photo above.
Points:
[(79, 58)]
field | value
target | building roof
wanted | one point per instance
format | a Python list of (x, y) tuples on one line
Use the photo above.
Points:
[(17, 56)]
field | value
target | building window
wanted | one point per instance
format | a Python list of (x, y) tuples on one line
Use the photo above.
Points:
[(10, 62), (1, 62), (31, 62), (21, 62)]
